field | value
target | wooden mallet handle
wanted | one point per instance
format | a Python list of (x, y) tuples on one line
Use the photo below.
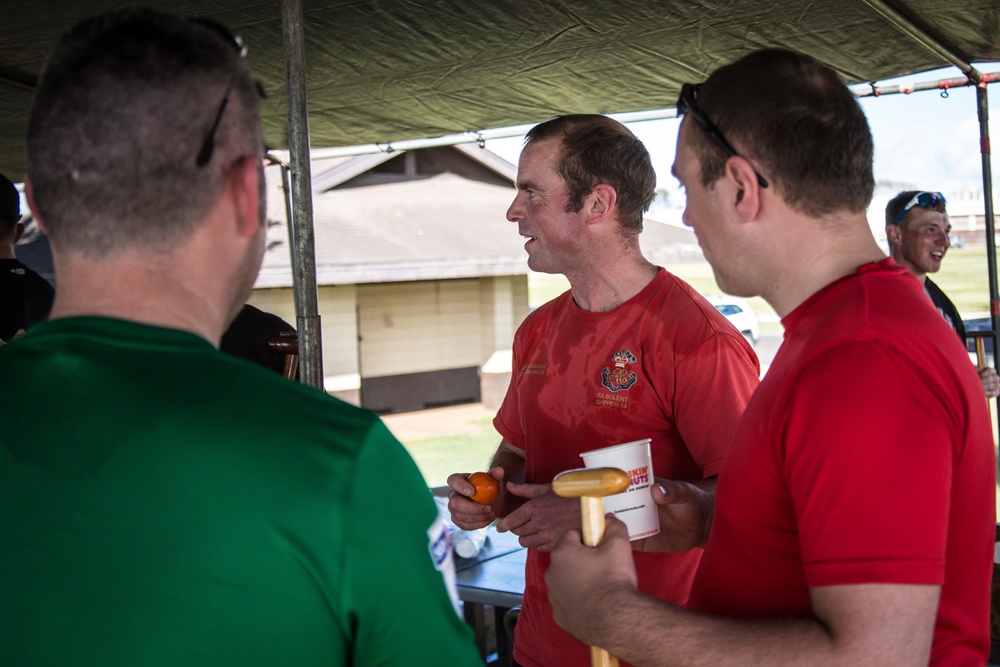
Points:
[(979, 337), (590, 485)]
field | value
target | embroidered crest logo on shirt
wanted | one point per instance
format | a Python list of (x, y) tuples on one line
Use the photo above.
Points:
[(620, 377)]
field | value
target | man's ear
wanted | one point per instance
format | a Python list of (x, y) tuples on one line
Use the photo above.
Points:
[(18, 231), (243, 183), (600, 202), (29, 192), (746, 190), (893, 234)]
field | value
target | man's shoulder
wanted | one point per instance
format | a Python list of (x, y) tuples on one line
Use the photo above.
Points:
[(688, 312), (286, 395), (547, 311), (879, 307), (254, 404)]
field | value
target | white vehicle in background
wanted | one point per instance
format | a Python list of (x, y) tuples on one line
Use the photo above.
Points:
[(740, 314)]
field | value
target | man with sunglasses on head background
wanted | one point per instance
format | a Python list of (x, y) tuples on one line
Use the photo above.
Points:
[(853, 519), (162, 503), (917, 229)]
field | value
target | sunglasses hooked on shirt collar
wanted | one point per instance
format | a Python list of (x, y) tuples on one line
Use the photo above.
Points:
[(686, 105), (923, 200)]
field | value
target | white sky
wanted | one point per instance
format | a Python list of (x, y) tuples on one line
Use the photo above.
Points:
[(922, 141)]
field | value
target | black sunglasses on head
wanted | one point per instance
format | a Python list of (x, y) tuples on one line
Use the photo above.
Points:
[(208, 146), (686, 105)]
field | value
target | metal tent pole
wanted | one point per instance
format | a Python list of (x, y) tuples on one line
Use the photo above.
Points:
[(983, 106), (940, 84), (304, 251)]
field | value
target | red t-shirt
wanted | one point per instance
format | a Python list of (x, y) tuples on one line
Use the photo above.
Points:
[(866, 456), (663, 365)]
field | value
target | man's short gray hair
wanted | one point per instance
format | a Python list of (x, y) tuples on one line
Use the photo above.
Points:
[(124, 105)]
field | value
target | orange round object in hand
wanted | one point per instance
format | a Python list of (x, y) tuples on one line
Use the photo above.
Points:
[(487, 488)]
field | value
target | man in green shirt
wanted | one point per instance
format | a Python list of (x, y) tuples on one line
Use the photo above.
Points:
[(162, 503)]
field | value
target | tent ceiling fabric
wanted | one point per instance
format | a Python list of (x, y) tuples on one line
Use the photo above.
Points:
[(379, 71)]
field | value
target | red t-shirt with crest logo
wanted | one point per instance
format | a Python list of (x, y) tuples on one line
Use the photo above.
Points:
[(664, 365)]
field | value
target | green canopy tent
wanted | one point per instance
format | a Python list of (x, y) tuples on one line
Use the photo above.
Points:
[(367, 72)]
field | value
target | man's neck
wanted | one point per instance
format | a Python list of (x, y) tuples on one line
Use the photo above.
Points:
[(604, 288), (822, 254), (897, 257), (130, 289), (919, 275)]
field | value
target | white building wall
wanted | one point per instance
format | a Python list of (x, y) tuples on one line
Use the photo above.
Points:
[(504, 306), (418, 327), (391, 329), (337, 306)]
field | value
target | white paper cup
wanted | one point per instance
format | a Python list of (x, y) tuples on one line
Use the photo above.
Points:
[(634, 505)]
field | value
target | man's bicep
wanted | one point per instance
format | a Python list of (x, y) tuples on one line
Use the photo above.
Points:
[(506, 447), (879, 624)]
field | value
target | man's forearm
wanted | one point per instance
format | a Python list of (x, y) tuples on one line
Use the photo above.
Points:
[(511, 460), (869, 624), (646, 632)]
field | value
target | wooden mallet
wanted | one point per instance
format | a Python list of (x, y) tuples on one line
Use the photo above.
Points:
[(980, 337), (590, 485)]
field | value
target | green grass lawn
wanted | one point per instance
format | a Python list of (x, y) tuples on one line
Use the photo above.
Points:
[(469, 451), (963, 277)]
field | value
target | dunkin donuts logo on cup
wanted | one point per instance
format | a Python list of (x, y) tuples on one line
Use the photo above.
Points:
[(639, 476)]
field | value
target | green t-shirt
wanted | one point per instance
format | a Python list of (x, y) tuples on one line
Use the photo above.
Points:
[(164, 504)]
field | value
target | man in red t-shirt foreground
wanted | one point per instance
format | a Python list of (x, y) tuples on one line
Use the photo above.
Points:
[(853, 518)]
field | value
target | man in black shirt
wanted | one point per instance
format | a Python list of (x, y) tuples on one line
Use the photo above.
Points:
[(917, 228), (25, 297), (247, 337)]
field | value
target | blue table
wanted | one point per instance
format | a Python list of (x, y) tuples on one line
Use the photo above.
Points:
[(494, 578)]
